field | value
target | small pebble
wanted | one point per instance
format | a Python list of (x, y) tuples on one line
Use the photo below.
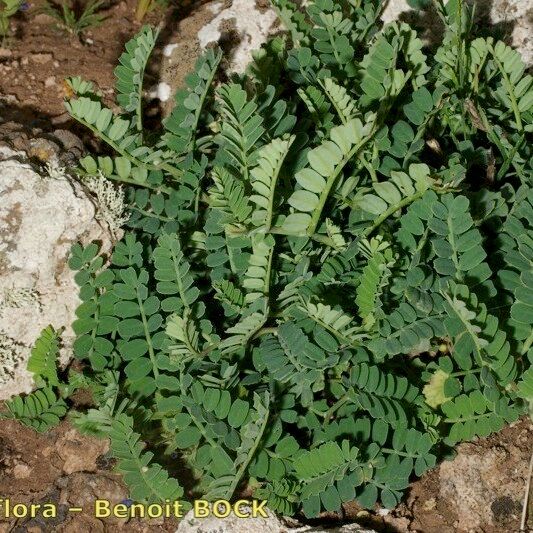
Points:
[(41, 59), (169, 48)]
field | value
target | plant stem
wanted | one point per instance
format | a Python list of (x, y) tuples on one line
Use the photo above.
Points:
[(151, 352), (264, 331), (331, 181), (527, 344), (510, 92), (526, 497), (250, 455), (149, 166), (390, 211)]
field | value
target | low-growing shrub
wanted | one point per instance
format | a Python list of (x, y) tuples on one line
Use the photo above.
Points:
[(326, 280)]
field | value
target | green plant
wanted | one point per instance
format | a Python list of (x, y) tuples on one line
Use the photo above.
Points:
[(7, 9), (76, 17), (325, 282), (45, 407)]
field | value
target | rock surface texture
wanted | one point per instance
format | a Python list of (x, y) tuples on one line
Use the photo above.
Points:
[(485, 488), (251, 26), (513, 17), (272, 524), (238, 26), (40, 218)]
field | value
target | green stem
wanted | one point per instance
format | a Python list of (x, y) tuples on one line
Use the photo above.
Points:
[(390, 211), (249, 457), (468, 327), (465, 419), (264, 331), (179, 282), (137, 162), (335, 407), (331, 181), (370, 169), (142, 470), (323, 239), (230, 252), (527, 344), (151, 352), (333, 102), (510, 92), (455, 258), (199, 109), (266, 286), (200, 427), (459, 23), (401, 454), (118, 179), (152, 215), (466, 372), (333, 45), (509, 159)]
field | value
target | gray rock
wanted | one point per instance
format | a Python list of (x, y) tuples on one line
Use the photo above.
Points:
[(272, 524), (231, 524), (40, 219), (251, 26), (346, 528), (238, 26)]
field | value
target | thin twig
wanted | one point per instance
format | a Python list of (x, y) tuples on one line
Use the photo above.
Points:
[(526, 497)]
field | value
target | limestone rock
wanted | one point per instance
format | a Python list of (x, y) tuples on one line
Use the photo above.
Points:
[(272, 524), (231, 524), (238, 26), (252, 28), (514, 17), (485, 485), (40, 219), (346, 528)]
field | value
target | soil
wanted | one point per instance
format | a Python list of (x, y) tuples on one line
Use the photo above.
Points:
[(64, 468), (40, 55), (480, 491)]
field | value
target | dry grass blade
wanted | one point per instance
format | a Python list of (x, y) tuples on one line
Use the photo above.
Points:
[(523, 521)]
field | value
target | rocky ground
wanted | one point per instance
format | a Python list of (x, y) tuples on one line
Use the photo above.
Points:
[(480, 491), (42, 213)]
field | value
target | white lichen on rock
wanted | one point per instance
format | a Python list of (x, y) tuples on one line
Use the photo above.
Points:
[(54, 170), (110, 201), (18, 297), (108, 197), (11, 357)]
